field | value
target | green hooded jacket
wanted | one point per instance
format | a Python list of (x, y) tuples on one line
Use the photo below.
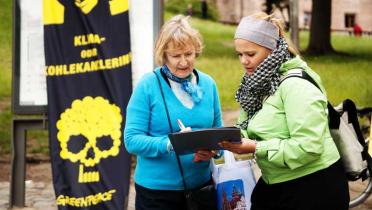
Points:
[(291, 129)]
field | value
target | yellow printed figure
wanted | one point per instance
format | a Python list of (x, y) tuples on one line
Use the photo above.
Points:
[(118, 6), (89, 120), (86, 5), (54, 10)]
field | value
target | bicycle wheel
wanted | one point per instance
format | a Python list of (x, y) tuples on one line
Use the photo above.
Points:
[(359, 190)]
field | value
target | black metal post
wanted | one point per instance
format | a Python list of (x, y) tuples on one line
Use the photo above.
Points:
[(18, 171)]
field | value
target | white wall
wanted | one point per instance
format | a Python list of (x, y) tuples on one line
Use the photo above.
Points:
[(141, 16)]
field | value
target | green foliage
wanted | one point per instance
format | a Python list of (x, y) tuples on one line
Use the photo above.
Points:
[(5, 74), (5, 47), (37, 142), (181, 7), (5, 119), (219, 59), (345, 75)]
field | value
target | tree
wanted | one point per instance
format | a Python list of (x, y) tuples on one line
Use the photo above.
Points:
[(204, 9), (320, 28), (269, 5), (281, 5)]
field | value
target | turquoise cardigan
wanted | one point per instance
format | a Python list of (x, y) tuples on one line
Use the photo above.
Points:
[(146, 132)]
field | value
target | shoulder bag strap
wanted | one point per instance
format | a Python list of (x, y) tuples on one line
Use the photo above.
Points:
[(171, 128), (334, 116)]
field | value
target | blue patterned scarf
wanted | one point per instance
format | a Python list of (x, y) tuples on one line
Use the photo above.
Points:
[(193, 90)]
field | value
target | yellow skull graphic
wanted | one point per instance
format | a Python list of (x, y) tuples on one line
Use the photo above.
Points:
[(91, 120)]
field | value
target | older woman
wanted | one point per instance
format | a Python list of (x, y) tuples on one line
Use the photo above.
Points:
[(190, 96), (285, 124)]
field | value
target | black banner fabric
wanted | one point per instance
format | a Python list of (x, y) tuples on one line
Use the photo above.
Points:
[(89, 82)]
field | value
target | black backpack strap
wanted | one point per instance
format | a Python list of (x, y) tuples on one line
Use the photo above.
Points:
[(349, 106), (334, 116), (300, 73)]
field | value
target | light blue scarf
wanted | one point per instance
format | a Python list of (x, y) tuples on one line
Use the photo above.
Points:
[(193, 90)]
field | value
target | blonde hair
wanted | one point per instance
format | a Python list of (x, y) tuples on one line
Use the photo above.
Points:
[(178, 32), (278, 23)]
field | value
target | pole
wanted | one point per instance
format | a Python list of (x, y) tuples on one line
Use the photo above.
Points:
[(18, 173), (158, 19), (293, 21)]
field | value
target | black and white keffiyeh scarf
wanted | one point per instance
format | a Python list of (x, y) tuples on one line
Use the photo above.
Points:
[(263, 82)]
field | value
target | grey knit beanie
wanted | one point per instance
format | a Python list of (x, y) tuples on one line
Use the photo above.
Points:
[(259, 31)]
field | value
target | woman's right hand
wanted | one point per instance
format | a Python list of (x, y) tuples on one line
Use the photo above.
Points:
[(247, 146), (204, 155)]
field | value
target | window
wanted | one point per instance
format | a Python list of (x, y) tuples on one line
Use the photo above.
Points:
[(349, 20), (307, 18)]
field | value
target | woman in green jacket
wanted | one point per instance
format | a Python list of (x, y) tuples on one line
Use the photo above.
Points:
[(285, 124)]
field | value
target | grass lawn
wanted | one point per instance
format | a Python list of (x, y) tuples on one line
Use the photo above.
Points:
[(5, 74), (348, 75), (5, 48)]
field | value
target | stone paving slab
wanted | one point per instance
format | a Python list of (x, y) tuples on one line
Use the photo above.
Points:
[(40, 196)]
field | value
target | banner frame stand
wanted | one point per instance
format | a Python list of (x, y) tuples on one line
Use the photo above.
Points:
[(18, 161), (34, 117)]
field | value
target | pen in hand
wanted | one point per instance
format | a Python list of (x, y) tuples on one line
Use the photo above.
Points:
[(180, 124), (183, 129)]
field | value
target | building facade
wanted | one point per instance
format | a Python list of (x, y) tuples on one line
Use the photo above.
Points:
[(345, 13)]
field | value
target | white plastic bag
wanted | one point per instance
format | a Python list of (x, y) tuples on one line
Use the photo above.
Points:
[(234, 183)]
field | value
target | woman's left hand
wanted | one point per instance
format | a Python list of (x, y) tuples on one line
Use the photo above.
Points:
[(247, 146), (204, 155)]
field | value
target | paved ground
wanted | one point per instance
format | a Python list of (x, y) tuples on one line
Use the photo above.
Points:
[(39, 188), (40, 194)]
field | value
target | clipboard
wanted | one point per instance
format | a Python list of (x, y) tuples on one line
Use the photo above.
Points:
[(190, 141)]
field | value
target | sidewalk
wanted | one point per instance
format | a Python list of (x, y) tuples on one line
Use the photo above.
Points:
[(40, 196)]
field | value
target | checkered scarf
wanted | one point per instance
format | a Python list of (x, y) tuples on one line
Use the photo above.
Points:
[(263, 82)]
